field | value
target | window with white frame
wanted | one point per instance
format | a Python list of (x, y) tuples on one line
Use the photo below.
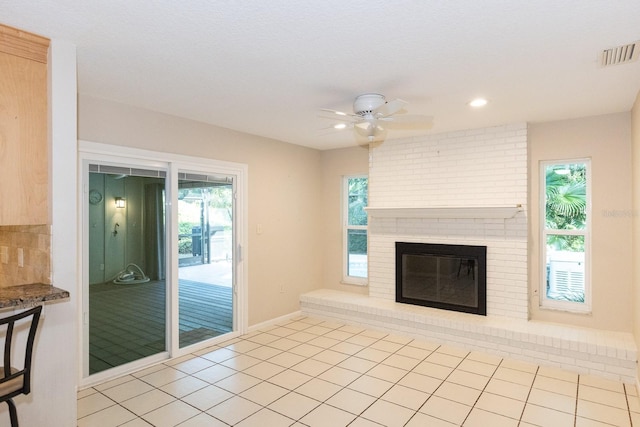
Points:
[(565, 241), (355, 196)]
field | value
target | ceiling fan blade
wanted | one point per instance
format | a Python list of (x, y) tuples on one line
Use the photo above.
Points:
[(408, 122), (390, 108), (337, 113), (335, 128), (342, 119), (341, 126)]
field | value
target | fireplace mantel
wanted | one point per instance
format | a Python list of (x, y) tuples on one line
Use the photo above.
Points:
[(472, 212)]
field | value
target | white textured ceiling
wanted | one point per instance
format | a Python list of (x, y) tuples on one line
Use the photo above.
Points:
[(267, 67)]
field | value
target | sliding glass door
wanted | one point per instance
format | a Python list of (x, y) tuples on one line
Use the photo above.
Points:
[(205, 257), (160, 271), (127, 270)]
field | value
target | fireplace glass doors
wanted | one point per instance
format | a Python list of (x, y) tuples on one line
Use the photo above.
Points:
[(451, 277)]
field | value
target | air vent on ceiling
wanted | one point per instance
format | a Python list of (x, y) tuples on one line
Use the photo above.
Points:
[(620, 54)]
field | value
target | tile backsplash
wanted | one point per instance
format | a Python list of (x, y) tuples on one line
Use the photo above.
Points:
[(34, 241)]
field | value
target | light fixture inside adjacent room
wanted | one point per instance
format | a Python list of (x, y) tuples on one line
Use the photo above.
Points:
[(120, 202)]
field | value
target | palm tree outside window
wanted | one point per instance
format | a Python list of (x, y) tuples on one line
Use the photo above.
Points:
[(566, 235)]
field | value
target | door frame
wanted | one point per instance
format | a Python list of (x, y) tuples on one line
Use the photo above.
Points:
[(88, 152)]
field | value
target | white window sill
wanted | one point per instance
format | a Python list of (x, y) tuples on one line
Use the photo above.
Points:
[(354, 281), (569, 310)]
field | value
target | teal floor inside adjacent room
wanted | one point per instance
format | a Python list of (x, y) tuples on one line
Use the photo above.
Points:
[(128, 322)]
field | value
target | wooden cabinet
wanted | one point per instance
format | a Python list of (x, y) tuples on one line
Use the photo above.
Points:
[(24, 147)]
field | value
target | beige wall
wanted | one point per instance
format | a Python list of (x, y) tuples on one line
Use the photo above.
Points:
[(284, 184), (285, 181), (335, 165), (607, 141), (635, 142)]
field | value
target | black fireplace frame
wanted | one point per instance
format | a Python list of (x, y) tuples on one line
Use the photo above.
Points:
[(477, 252)]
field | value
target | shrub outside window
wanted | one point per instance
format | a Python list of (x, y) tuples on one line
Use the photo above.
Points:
[(565, 235), (355, 190)]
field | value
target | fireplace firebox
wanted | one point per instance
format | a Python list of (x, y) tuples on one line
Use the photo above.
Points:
[(450, 277)]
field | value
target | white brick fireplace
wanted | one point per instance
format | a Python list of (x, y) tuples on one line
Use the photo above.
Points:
[(466, 171), (467, 188)]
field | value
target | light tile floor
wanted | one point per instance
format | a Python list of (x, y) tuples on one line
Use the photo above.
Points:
[(308, 372)]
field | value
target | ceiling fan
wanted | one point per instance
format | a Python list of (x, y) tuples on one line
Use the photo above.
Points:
[(373, 115)]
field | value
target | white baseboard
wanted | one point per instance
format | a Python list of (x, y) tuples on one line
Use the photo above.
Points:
[(272, 322)]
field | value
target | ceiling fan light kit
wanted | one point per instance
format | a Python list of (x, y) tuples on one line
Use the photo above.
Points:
[(372, 114)]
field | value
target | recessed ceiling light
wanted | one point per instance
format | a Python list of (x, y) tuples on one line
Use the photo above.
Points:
[(340, 126), (478, 102)]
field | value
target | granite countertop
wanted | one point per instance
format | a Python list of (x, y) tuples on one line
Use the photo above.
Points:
[(29, 295)]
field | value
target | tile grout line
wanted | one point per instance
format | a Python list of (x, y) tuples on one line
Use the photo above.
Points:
[(526, 401), (445, 379), (317, 376), (355, 379), (626, 396), (575, 414), (394, 384), (483, 388), (363, 373)]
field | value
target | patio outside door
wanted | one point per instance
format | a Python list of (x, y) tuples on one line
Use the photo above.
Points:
[(205, 257)]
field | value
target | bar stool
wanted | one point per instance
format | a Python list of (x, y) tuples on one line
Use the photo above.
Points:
[(16, 381)]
